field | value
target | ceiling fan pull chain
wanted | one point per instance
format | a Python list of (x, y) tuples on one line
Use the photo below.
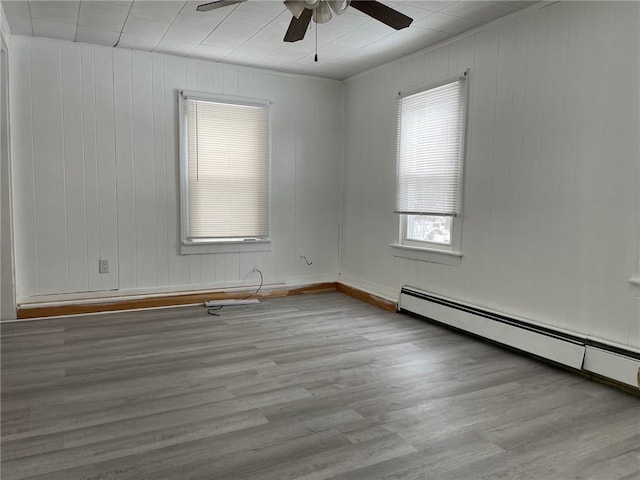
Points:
[(316, 57)]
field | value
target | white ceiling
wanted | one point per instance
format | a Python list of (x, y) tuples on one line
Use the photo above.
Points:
[(251, 33)]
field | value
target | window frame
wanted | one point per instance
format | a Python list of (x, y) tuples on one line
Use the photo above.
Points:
[(405, 240), (217, 245), (431, 251)]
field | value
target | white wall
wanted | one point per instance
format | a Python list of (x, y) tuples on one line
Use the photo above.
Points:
[(94, 139), (551, 221), (7, 294), (551, 224)]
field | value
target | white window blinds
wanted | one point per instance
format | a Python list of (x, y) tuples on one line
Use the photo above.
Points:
[(227, 170), (430, 136)]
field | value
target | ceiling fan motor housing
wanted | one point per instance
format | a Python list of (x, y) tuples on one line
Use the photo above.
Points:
[(320, 11), (320, 7)]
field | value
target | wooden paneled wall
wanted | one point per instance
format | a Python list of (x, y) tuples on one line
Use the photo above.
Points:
[(552, 185), (95, 153), (551, 224)]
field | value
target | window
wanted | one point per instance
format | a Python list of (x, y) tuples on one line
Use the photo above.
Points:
[(225, 151), (429, 167)]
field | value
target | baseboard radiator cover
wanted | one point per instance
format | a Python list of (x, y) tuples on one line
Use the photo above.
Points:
[(580, 353)]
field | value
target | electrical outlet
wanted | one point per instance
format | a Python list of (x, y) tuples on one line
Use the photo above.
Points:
[(103, 265)]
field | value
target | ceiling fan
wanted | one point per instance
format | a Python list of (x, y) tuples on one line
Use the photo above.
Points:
[(320, 10)]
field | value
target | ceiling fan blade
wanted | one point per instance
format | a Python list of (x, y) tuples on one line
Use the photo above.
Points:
[(298, 26), (205, 7), (382, 13)]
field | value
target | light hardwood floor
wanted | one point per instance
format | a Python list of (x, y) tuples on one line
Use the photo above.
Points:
[(307, 387)]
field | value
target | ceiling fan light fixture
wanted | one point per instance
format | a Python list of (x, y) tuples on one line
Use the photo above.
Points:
[(339, 6), (312, 4), (322, 13), (296, 7)]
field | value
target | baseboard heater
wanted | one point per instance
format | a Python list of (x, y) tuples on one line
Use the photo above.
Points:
[(577, 352)]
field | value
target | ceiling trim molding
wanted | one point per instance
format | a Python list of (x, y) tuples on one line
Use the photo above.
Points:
[(188, 59)]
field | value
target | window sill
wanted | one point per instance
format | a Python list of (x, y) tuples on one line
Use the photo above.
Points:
[(225, 247), (432, 255)]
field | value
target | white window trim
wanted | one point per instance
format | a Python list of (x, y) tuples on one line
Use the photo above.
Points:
[(187, 246), (428, 251), (454, 246), (426, 254), (226, 247)]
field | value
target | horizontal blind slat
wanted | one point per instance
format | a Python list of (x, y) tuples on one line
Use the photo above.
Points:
[(228, 169), (430, 127)]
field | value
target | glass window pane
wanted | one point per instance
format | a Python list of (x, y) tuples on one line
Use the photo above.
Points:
[(429, 228)]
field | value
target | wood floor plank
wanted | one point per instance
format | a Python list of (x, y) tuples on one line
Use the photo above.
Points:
[(336, 461), (308, 387), (88, 446)]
